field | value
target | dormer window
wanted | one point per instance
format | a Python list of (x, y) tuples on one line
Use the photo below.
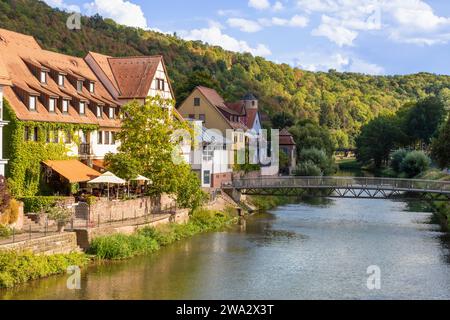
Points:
[(91, 87), (99, 111), (32, 103), (111, 113), (43, 77), (65, 106), (51, 104), (61, 80), (82, 108), (79, 85)]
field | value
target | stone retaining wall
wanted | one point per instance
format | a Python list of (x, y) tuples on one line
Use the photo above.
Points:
[(60, 243)]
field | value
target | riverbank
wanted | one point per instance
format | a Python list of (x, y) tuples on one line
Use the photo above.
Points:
[(19, 267)]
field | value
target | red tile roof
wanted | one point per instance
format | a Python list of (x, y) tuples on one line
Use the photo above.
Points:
[(286, 138), (251, 116), (20, 54)]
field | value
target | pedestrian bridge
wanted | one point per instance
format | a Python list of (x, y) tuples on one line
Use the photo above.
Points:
[(340, 187)]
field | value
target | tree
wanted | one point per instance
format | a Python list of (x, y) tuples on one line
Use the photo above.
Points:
[(308, 135), (122, 165), (415, 163), (397, 159), (425, 118), (307, 169), (282, 120), (319, 158), (376, 141), (440, 149), (146, 139)]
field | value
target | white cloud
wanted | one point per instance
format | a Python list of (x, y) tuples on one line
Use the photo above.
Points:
[(335, 33), (62, 5), (324, 61), (123, 12), (259, 4), (244, 24), (408, 21), (278, 6), (295, 21), (229, 13), (214, 35)]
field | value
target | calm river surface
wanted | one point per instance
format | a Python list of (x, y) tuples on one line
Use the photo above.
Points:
[(304, 251)]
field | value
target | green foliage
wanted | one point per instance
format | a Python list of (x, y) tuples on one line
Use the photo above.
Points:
[(149, 239), (122, 165), (5, 231), (59, 214), (376, 141), (441, 146), (415, 163), (308, 169), (320, 159), (24, 168), (19, 267), (308, 135), (39, 204), (337, 100), (397, 158), (146, 139), (282, 120), (265, 203)]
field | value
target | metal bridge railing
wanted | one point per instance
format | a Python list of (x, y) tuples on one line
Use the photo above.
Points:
[(341, 182)]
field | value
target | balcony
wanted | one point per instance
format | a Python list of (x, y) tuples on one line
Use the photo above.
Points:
[(84, 149)]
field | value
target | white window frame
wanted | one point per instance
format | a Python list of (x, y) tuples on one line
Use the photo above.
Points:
[(111, 113), (91, 87), (43, 77), (79, 85), (82, 106), (32, 102), (65, 106), (51, 105), (99, 112), (60, 80)]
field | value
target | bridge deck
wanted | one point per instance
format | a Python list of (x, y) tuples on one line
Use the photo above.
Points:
[(386, 186)]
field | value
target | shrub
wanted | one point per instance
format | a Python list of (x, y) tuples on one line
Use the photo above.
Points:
[(319, 158), (397, 158), (415, 163), (39, 203), (19, 267), (5, 231), (119, 246), (308, 169)]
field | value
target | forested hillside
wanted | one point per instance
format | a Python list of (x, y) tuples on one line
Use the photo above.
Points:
[(340, 101)]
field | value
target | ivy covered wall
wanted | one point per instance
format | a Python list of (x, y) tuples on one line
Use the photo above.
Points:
[(25, 157)]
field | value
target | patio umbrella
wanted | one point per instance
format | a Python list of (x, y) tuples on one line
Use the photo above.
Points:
[(108, 178), (138, 178)]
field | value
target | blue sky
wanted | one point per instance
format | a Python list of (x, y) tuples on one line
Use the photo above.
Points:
[(368, 36)]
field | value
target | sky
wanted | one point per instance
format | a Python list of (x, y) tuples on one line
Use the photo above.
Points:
[(369, 36)]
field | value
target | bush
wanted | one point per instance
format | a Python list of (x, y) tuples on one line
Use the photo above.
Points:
[(19, 267), (319, 158), (415, 163), (39, 203), (308, 169), (150, 239), (5, 231), (397, 158)]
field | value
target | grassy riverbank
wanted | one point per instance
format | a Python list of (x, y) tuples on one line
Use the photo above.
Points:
[(149, 239), (20, 267), (264, 203)]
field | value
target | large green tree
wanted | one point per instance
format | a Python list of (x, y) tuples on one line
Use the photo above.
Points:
[(441, 146), (147, 139)]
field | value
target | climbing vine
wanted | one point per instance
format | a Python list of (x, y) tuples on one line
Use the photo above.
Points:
[(25, 157)]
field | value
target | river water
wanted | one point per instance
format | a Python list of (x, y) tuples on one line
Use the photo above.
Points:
[(304, 251)]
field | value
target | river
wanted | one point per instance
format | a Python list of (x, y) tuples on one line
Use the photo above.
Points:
[(304, 251)]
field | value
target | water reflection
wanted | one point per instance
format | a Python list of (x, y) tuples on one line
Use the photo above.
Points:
[(318, 249)]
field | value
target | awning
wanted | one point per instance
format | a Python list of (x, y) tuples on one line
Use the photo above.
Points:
[(109, 178), (141, 178), (73, 170)]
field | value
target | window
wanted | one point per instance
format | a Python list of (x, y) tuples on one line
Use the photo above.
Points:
[(100, 137), (253, 103), (65, 106), (112, 113), (208, 153), (91, 87), (160, 84), (106, 137), (196, 102), (207, 177), (202, 117), (82, 108), (51, 104), (67, 137), (113, 138), (52, 136), (32, 134), (235, 138), (192, 116), (32, 103), (27, 134), (79, 85), (99, 111), (61, 80), (241, 137), (43, 77)]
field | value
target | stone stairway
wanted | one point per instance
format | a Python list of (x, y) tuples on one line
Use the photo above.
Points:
[(29, 224)]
